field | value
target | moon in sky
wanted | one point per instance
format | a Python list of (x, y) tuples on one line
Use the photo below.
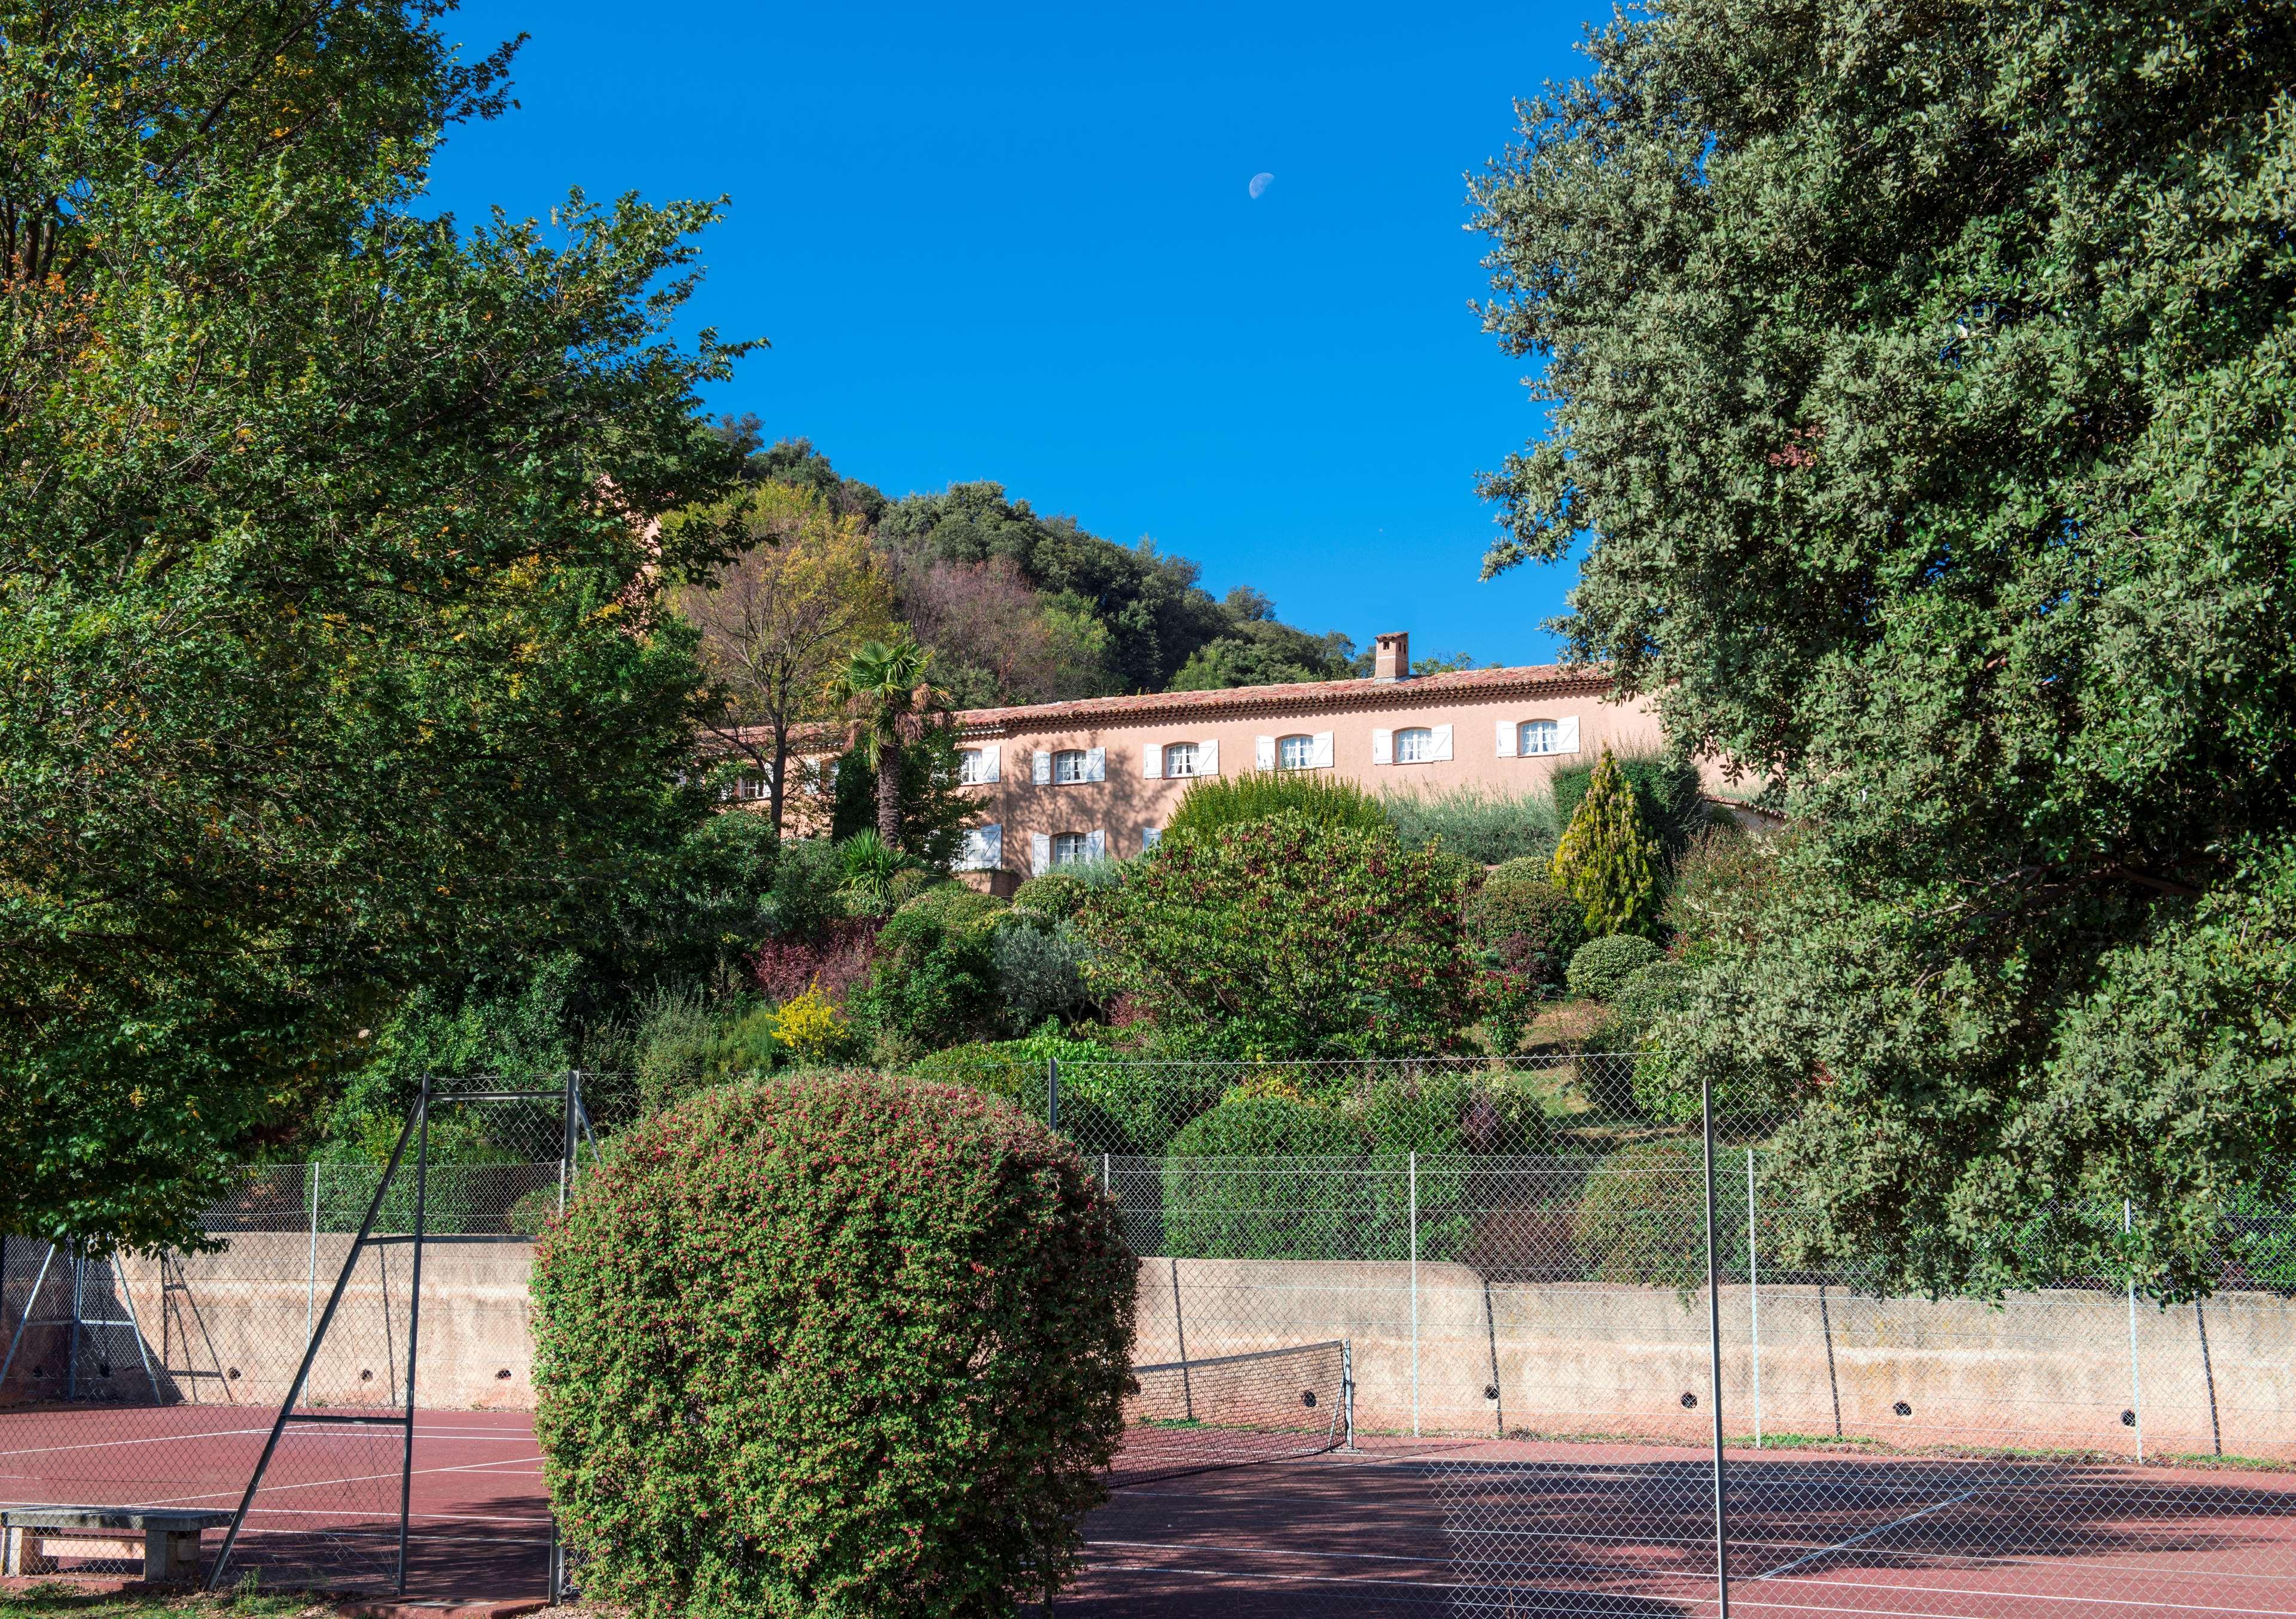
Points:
[(1259, 183)]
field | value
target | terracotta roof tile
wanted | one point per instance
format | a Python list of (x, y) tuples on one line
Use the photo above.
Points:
[(1242, 700)]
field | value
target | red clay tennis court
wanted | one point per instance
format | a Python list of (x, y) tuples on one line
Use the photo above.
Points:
[(1450, 1526)]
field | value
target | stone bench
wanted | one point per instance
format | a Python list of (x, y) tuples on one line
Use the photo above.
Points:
[(168, 1540)]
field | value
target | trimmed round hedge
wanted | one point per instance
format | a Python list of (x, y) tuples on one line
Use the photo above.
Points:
[(1229, 1192), (837, 1343), (1599, 966)]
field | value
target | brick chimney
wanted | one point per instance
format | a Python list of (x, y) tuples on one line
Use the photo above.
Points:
[(1391, 659)]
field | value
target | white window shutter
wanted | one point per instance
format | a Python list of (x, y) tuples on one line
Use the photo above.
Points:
[(1095, 844), (1096, 764), (1043, 772), (1507, 734), (984, 847), (1152, 761), (1442, 741), (1566, 734), (1040, 852), (1208, 758), (1383, 747), (1263, 752), (1321, 756), (992, 756)]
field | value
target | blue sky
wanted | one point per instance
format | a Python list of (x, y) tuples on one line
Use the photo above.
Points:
[(1018, 244)]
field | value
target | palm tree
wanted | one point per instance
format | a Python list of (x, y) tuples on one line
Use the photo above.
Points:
[(883, 687)]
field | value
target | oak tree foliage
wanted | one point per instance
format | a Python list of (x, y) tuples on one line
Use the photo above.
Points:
[(1920, 383)]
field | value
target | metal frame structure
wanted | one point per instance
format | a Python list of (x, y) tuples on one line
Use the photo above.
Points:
[(79, 1321), (574, 1128)]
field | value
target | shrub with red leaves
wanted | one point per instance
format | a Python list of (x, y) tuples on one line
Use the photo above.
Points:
[(836, 961), (834, 1345)]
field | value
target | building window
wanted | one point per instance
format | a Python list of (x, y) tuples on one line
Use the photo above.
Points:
[(1540, 737), (1069, 765), (1180, 759), (747, 787), (1295, 752), (1070, 847), (1416, 746), (975, 766)]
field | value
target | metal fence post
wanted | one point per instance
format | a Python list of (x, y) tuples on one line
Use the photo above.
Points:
[(1413, 1218), (311, 1282), (413, 1324), (2136, 1384), (1754, 1297), (1714, 1361), (1052, 1093)]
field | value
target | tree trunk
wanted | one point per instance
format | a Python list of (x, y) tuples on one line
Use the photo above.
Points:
[(889, 791), (777, 779)]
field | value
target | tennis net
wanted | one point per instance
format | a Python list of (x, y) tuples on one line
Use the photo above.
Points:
[(1230, 1410)]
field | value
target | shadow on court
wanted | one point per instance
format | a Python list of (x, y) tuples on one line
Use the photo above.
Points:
[(1625, 1532)]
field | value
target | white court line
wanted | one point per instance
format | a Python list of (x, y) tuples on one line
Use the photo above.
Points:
[(1264, 1551), (1827, 1551), (1230, 1574), (326, 1483), (156, 1439), (1991, 1598)]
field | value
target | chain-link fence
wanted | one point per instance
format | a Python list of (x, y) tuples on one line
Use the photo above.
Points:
[(1474, 1296), (275, 1390), (1517, 1255)]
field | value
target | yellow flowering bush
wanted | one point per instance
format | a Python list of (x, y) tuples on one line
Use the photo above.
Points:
[(812, 1028)]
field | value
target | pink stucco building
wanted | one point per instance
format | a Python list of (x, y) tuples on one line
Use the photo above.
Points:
[(1067, 781)]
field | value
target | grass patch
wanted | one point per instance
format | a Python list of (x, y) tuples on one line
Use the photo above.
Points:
[(65, 1601)]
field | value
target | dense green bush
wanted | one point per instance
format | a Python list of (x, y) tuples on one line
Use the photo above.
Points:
[(1721, 884), (1641, 1217), (1600, 965), (1056, 895), (832, 1344), (1668, 794), (932, 981), (1230, 1194), (1040, 969), (1212, 803), (1523, 929), (1017, 1071), (806, 896), (682, 1043), (1484, 826), (1287, 938)]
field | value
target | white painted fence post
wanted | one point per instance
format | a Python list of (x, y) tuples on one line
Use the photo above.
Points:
[(1414, 1171), (1754, 1296)]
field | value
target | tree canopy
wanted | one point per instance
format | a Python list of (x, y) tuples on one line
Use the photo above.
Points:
[(1920, 383), (331, 637)]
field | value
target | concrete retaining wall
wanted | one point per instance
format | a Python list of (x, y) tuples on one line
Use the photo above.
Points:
[(2045, 1371)]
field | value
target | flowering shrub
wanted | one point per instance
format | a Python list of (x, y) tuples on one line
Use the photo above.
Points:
[(812, 1028), (831, 1344), (1285, 938)]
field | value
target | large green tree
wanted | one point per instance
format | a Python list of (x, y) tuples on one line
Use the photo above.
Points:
[(332, 648), (1920, 384)]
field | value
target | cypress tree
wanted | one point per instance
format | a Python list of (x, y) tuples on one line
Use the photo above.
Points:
[(1608, 860)]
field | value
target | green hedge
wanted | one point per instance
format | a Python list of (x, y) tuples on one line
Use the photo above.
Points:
[(1600, 965), (835, 1343)]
